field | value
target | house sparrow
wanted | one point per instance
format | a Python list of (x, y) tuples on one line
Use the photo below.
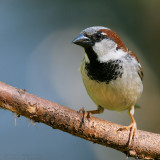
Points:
[(111, 73)]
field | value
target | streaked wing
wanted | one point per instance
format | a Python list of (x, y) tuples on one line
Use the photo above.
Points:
[(140, 72)]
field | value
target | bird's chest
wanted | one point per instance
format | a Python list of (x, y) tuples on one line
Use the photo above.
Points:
[(109, 86), (104, 72)]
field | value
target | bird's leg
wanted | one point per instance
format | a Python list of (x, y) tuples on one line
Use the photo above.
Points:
[(132, 127), (88, 115), (97, 111)]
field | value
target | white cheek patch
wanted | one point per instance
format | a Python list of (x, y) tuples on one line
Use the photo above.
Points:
[(104, 47), (106, 50)]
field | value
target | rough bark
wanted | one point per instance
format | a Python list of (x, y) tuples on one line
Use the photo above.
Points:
[(146, 145)]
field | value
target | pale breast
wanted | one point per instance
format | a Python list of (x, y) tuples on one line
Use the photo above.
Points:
[(118, 94)]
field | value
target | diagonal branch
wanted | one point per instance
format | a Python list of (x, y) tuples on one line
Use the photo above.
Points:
[(146, 145)]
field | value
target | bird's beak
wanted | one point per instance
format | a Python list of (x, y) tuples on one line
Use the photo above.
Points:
[(82, 40)]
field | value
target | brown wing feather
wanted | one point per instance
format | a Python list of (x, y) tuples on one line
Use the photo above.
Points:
[(132, 54), (140, 71)]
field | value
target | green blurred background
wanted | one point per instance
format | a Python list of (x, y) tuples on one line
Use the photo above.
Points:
[(36, 53)]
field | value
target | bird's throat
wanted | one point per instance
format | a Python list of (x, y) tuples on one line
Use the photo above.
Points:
[(92, 56)]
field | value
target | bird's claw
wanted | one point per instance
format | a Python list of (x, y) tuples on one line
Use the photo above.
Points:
[(132, 127), (86, 114)]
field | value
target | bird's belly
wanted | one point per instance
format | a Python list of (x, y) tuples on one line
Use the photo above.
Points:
[(106, 96), (117, 95)]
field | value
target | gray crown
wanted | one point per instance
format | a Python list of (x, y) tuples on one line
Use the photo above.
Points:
[(94, 29)]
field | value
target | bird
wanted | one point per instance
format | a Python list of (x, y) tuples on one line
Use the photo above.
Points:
[(111, 73)]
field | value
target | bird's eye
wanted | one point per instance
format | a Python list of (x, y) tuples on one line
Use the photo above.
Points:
[(99, 35)]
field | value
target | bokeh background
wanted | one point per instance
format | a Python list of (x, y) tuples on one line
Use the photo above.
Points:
[(36, 53)]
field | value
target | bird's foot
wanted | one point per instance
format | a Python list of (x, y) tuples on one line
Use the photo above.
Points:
[(132, 127), (86, 114)]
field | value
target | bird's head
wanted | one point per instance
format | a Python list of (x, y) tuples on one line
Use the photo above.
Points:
[(100, 40)]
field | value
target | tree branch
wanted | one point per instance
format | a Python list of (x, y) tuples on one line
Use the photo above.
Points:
[(146, 145)]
